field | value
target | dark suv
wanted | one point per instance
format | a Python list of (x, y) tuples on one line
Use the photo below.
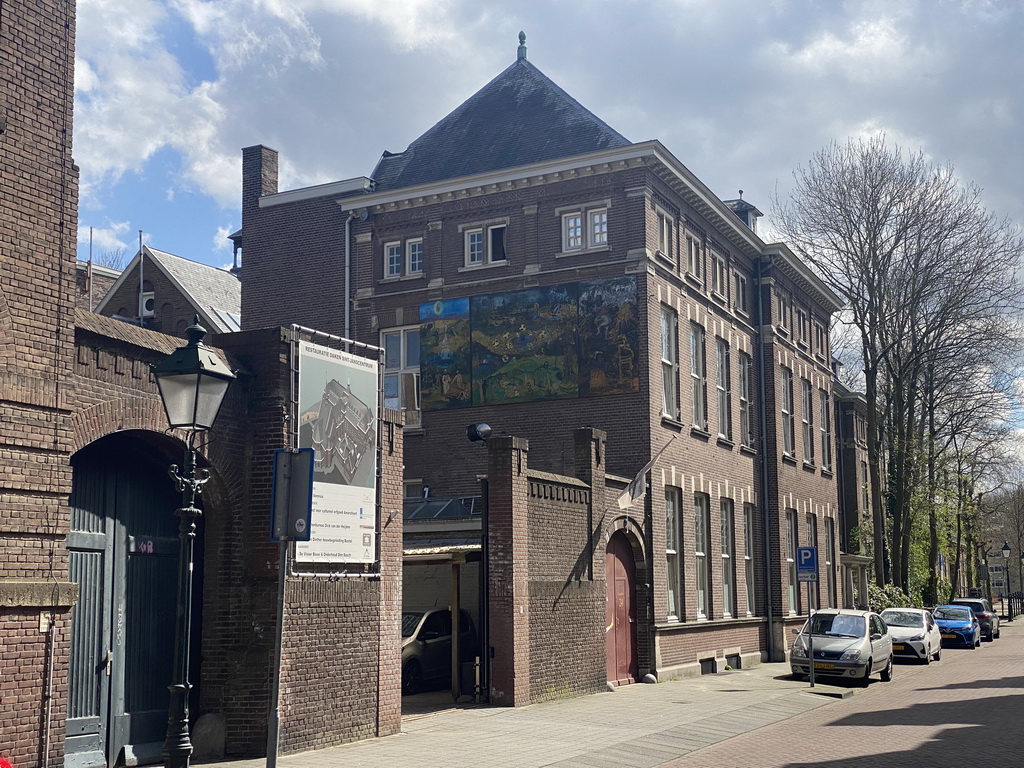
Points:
[(982, 610)]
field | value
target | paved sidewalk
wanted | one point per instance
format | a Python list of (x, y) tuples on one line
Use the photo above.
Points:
[(641, 726), (636, 726)]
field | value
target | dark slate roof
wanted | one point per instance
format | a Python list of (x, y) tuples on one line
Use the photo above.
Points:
[(217, 292), (518, 118)]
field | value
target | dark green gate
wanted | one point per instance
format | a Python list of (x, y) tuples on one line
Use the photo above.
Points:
[(123, 548)]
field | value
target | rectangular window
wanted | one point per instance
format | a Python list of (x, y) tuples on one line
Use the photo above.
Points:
[(865, 501), (807, 420), (826, 429), (746, 411), (673, 522), (719, 274), (665, 228), (739, 297), (820, 344), (728, 560), (812, 541), (669, 363), (748, 556), (572, 231), (402, 372), (791, 539), (698, 377), (786, 406), (392, 260), (474, 247), (784, 309), (598, 227), (802, 326), (693, 256), (701, 545), (723, 383), (414, 257), (830, 571), (496, 243)]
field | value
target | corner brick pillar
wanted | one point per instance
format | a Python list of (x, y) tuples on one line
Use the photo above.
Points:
[(508, 578), (590, 447)]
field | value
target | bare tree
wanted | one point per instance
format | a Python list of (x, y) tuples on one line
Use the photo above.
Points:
[(115, 258), (929, 279)]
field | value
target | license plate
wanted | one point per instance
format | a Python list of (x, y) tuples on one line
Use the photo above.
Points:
[(898, 647), (823, 665), (948, 636)]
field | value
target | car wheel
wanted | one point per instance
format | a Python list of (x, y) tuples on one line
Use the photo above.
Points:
[(412, 678), (976, 643), (864, 681), (887, 672), (938, 653), (998, 632), (927, 656), (798, 676)]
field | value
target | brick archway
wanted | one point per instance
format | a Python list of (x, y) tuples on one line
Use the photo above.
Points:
[(117, 415)]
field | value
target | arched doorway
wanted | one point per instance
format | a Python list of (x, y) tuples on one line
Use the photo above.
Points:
[(620, 611), (123, 548)]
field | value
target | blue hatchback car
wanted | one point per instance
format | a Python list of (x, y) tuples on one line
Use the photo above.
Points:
[(958, 625)]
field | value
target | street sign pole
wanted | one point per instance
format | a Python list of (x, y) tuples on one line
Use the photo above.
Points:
[(807, 571)]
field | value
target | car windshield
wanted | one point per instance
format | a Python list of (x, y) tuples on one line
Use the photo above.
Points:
[(837, 625), (410, 620), (902, 618), (953, 614), (975, 607)]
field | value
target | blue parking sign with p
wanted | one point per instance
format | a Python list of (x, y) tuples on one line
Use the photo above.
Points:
[(807, 563)]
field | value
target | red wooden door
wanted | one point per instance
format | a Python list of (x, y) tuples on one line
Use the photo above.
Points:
[(620, 611)]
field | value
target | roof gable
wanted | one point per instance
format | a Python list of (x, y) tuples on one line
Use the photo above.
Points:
[(520, 117)]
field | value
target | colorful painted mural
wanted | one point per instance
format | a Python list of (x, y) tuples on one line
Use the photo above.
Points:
[(545, 343), (445, 370)]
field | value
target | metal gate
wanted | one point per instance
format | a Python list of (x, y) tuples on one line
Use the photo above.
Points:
[(123, 555)]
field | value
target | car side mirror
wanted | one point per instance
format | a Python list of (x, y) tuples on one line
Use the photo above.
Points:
[(876, 636), (796, 631), (432, 635)]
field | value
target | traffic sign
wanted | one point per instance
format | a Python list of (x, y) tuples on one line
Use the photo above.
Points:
[(806, 563)]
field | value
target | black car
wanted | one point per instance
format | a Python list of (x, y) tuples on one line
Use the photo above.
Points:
[(982, 610), (427, 647)]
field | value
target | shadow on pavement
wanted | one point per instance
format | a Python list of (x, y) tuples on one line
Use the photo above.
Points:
[(986, 727)]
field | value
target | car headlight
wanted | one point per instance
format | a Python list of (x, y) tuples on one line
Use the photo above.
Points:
[(798, 652), (914, 638), (850, 656)]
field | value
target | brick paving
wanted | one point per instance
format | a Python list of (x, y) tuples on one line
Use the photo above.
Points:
[(969, 704)]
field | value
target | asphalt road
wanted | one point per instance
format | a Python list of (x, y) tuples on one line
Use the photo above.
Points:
[(967, 709)]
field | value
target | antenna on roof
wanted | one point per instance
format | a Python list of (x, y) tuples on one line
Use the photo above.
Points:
[(521, 54)]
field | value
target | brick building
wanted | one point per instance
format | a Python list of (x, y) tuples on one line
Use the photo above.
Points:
[(88, 535), (527, 267)]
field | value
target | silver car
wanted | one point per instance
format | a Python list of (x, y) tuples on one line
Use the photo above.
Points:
[(915, 635), (845, 643)]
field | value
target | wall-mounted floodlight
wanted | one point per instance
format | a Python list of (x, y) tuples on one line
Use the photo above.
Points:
[(478, 432)]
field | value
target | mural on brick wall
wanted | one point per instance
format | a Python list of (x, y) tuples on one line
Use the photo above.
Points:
[(550, 343), (444, 355)]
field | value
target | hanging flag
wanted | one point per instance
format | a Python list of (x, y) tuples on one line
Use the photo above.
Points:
[(637, 488)]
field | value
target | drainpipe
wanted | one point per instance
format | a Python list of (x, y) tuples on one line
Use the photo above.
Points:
[(765, 517), (348, 278)]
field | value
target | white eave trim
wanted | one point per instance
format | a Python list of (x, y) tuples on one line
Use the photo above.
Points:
[(793, 262), (334, 188)]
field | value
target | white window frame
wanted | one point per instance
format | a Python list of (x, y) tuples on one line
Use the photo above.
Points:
[(393, 260), (807, 420), (723, 385), (792, 591), (597, 227), (786, 408), (830, 571), (740, 298), (484, 256), (784, 311), (403, 374), (746, 405), (802, 325), (826, 428), (670, 362), (411, 265), (673, 553), (701, 548), (748, 557), (728, 548), (694, 260), (698, 377), (666, 228), (572, 231), (475, 255), (719, 274)]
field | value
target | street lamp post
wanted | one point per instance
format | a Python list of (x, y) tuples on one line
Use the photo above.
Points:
[(192, 381), (1005, 551)]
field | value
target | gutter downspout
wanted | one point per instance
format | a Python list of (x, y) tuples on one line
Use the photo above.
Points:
[(765, 517), (348, 278)]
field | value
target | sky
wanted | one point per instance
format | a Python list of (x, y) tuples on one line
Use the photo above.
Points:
[(742, 92)]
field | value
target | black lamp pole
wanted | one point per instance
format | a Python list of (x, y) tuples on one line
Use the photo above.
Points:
[(192, 381)]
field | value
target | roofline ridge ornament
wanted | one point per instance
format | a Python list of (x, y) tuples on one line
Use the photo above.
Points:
[(521, 53)]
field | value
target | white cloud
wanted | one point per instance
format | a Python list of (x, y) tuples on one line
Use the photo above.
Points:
[(105, 238)]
